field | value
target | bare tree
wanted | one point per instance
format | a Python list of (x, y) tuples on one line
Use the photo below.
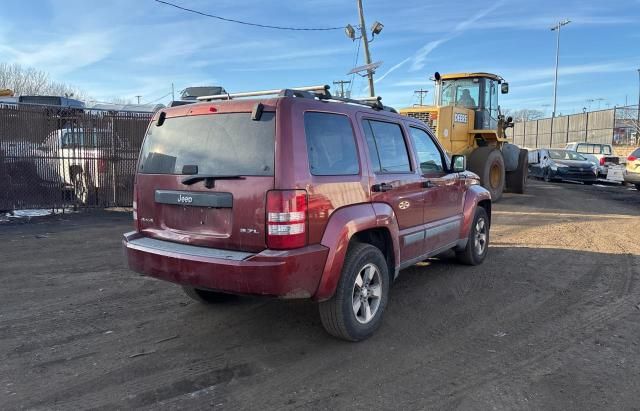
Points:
[(525, 114), (627, 119), (30, 81)]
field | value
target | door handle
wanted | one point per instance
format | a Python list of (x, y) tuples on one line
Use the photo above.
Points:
[(427, 184), (382, 187)]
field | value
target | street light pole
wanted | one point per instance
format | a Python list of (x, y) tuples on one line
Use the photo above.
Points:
[(365, 43), (555, 82)]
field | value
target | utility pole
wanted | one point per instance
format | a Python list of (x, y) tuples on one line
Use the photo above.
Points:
[(173, 93), (341, 83), (421, 93), (555, 82), (138, 97), (365, 43), (638, 118)]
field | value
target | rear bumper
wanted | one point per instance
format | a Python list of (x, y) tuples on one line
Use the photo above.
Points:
[(633, 178), (286, 274)]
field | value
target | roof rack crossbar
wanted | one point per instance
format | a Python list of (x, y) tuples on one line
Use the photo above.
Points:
[(321, 89)]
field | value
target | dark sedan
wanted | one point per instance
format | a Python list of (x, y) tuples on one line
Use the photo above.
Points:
[(556, 164)]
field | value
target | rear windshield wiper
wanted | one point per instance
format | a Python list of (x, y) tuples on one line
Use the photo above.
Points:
[(209, 179)]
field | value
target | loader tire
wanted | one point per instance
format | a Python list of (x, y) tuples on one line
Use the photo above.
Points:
[(517, 179), (488, 164)]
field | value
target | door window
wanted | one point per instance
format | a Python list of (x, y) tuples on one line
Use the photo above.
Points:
[(429, 156), (387, 147), (330, 144)]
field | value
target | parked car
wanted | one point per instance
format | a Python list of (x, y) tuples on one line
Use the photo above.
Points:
[(632, 170), (79, 159), (300, 197), (600, 154), (557, 164)]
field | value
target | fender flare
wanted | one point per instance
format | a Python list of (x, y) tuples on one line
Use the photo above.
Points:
[(474, 195), (342, 225)]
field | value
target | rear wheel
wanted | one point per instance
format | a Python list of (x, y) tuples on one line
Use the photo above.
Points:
[(355, 311), (637, 186), (517, 179), (488, 163), (207, 296), (478, 241)]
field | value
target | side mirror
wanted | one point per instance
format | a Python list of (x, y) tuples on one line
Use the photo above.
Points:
[(458, 163), (504, 88)]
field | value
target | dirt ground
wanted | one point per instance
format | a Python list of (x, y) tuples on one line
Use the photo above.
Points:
[(550, 321)]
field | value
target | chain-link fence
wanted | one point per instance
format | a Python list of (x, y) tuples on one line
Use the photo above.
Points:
[(618, 126), (52, 157)]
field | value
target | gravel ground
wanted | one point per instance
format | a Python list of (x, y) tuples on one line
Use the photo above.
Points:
[(550, 321)]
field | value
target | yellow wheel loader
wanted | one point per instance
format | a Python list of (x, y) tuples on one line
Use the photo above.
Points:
[(466, 118)]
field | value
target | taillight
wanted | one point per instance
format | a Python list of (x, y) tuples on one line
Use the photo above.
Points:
[(632, 158), (286, 219), (601, 161), (102, 165)]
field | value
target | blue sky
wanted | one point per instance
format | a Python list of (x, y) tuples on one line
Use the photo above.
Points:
[(123, 48)]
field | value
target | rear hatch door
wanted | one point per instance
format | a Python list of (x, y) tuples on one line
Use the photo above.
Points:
[(202, 179)]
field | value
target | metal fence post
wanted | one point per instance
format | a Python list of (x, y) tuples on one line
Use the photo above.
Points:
[(537, 130), (568, 117), (586, 127)]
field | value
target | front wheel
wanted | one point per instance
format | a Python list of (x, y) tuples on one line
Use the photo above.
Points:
[(488, 164), (355, 311), (477, 246)]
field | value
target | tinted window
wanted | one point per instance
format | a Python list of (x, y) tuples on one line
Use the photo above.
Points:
[(636, 152), (429, 156), (330, 144), (219, 144), (390, 145), (371, 145)]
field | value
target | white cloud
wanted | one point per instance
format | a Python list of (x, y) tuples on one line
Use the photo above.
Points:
[(62, 56)]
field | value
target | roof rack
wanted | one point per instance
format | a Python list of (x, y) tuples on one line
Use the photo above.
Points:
[(320, 92)]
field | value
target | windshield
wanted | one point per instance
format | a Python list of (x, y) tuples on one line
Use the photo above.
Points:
[(566, 155), (218, 144), (460, 93)]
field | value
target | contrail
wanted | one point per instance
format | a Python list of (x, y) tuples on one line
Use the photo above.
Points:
[(419, 58)]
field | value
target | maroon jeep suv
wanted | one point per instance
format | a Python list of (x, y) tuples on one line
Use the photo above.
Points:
[(299, 194)]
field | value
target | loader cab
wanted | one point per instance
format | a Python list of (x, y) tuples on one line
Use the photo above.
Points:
[(477, 92)]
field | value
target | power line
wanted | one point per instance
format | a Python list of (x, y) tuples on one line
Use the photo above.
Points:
[(158, 99), (265, 26)]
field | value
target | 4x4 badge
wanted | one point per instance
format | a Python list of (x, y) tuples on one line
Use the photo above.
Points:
[(403, 205)]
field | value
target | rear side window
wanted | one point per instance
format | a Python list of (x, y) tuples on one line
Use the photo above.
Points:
[(387, 147), (606, 150), (219, 144), (636, 152), (330, 144)]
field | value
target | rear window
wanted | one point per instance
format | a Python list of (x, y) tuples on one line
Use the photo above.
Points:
[(330, 144), (219, 144)]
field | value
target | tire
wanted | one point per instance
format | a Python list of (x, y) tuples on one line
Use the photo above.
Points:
[(637, 186), (488, 163), (340, 316), (477, 246), (517, 179), (547, 175), (588, 183), (207, 296)]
